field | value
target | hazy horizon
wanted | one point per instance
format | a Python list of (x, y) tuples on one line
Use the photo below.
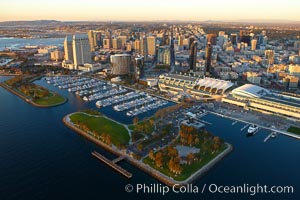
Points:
[(155, 10)]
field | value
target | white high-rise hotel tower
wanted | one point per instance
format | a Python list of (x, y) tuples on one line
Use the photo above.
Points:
[(77, 50)]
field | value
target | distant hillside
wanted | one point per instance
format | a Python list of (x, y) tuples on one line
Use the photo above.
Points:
[(31, 23)]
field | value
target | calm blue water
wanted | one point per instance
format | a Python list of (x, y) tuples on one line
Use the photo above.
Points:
[(42, 159), (16, 43)]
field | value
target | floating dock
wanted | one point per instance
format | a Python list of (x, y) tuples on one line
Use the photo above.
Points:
[(234, 123), (113, 164), (268, 137), (205, 122), (245, 127)]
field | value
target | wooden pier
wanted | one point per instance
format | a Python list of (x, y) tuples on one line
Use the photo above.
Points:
[(113, 164)]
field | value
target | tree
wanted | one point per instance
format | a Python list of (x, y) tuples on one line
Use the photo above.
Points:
[(151, 155), (171, 165), (197, 140), (190, 157), (190, 140), (172, 152), (135, 120), (159, 159)]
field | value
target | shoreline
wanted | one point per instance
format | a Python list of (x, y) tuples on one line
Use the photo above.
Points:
[(27, 100), (292, 135), (146, 168)]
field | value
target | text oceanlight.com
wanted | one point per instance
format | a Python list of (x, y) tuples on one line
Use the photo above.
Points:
[(208, 188)]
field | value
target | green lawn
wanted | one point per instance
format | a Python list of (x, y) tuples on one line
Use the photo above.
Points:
[(143, 126), (188, 170), (52, 99), (294, 129), (119, 134)]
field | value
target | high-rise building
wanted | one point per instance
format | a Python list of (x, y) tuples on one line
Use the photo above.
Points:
[(139, 67), (151, 43), (269, 55), (106, 43), (94, 39), (91, 39), (109, 36), (221, 33), (97, 39), (68, 48), (164, 55), (191, 40), (129, 46), (253, 44), (208, 55), (144, 47), (81, 50), (212, 38), (120, 64), (123, 39), (180, 40), (137, 45), (117, 43), (193, 56), (233, 38)]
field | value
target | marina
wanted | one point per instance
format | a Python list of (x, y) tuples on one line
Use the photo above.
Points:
[(109, 96)]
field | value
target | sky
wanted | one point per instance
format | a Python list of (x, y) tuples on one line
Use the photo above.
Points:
[(147, 10)]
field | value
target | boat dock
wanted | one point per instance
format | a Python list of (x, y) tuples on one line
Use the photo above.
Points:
[(268, 137), (205, 122), (245, 127), (113, 164), (256, 131)]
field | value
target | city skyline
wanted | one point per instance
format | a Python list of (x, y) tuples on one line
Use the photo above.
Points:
[(133, 10)]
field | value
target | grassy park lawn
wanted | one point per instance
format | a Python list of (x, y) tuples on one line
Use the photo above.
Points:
[(187, 170), (295, 130), (101, 125), (50, 100), (38, 94)]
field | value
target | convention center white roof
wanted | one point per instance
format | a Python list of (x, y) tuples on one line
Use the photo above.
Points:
[(249, 90)]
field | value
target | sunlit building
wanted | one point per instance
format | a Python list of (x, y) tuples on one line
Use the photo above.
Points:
[(57, 55), (164, 55), (151, 42), (120, 64), (68, 48), (81, 50)]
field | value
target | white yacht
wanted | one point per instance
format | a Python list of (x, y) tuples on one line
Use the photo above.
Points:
[(98, 104), (252, 129)]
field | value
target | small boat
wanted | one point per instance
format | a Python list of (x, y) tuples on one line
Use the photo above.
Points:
[(98, 104), (273, 135), (85, 98), (252, 129)]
